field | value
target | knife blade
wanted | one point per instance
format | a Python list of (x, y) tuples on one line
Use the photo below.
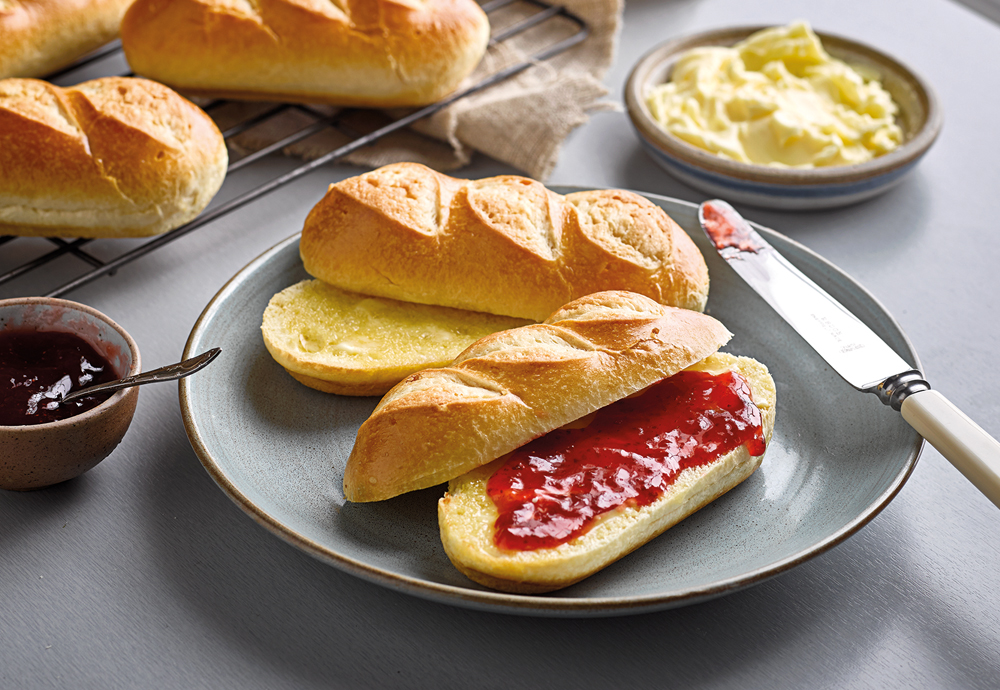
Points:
[(854, 351)]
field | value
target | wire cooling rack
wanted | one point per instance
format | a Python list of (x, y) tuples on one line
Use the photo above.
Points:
[(91, 267)]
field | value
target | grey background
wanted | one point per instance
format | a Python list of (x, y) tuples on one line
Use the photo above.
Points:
[(988, 8), (143, 574)]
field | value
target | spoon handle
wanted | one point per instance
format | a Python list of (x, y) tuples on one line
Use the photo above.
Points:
[(168, 373)]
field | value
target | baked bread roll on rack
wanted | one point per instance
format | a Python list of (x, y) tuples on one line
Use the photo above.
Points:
[(512, 519), (503, 245), (367, 53), (40, 36), (112, 157)]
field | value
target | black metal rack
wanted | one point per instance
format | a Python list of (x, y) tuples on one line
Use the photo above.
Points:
[(542, 12)]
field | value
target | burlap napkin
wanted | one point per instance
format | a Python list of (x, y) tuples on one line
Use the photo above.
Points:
[(521, 121)]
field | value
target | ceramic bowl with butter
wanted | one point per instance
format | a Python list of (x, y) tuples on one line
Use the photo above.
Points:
[(918, 118), (49, 347)]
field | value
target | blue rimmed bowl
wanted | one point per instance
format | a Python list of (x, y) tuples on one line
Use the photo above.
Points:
[(919, 117)]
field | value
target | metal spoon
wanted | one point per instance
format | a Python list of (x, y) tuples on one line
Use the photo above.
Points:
[(171, 372)]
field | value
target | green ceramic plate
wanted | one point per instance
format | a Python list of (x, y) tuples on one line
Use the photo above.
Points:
[(278, 449)]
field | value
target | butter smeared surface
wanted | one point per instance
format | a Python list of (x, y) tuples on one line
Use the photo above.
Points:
[(317, 330), (777, 98)]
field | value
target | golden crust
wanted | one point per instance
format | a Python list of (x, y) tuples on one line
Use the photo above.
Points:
[(112, 157), (503, 245), (375, 53), (466, 514), (41, 36), (516, 385)]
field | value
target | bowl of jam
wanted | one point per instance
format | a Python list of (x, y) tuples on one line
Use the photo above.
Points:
[(48, 348)]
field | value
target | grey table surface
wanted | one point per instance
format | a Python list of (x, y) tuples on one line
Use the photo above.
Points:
[(142, 573)]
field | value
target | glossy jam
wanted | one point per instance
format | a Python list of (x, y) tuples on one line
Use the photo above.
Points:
[(38, 367), (728, 231), (552, 489)]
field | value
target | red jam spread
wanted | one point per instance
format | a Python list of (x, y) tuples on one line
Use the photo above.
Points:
[(37, 368), (552, 489), (728, 231)]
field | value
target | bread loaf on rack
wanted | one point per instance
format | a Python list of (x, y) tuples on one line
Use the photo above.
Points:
[(112, 157), (371, 53), (40, 36), (504, 245), (467, 514), (516, 385)]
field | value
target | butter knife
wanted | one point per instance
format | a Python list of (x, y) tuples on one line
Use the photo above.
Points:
[(853, 350)]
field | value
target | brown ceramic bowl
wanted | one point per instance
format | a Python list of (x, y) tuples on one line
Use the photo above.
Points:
[(39, 455)]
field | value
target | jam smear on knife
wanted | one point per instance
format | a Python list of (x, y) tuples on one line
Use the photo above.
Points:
[(552, 489), (728, 231)]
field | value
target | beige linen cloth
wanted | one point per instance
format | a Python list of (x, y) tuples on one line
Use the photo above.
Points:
[(521, 121)]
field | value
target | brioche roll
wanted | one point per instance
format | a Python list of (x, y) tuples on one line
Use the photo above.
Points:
[(350, 344), (113, 157), (466, 514), (516, 385), (370, 53), (504, 245), (40, 36)]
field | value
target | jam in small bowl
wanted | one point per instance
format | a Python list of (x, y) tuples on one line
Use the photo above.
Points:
[(50, 347)]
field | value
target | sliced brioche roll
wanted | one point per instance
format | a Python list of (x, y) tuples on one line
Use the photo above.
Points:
[(503, 245), (516, 385), (349, 344), (467, 513)]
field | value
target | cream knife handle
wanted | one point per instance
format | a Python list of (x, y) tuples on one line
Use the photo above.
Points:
[(975, 453)]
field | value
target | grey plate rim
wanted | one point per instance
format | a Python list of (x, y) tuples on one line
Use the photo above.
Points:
[(531, 605)]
